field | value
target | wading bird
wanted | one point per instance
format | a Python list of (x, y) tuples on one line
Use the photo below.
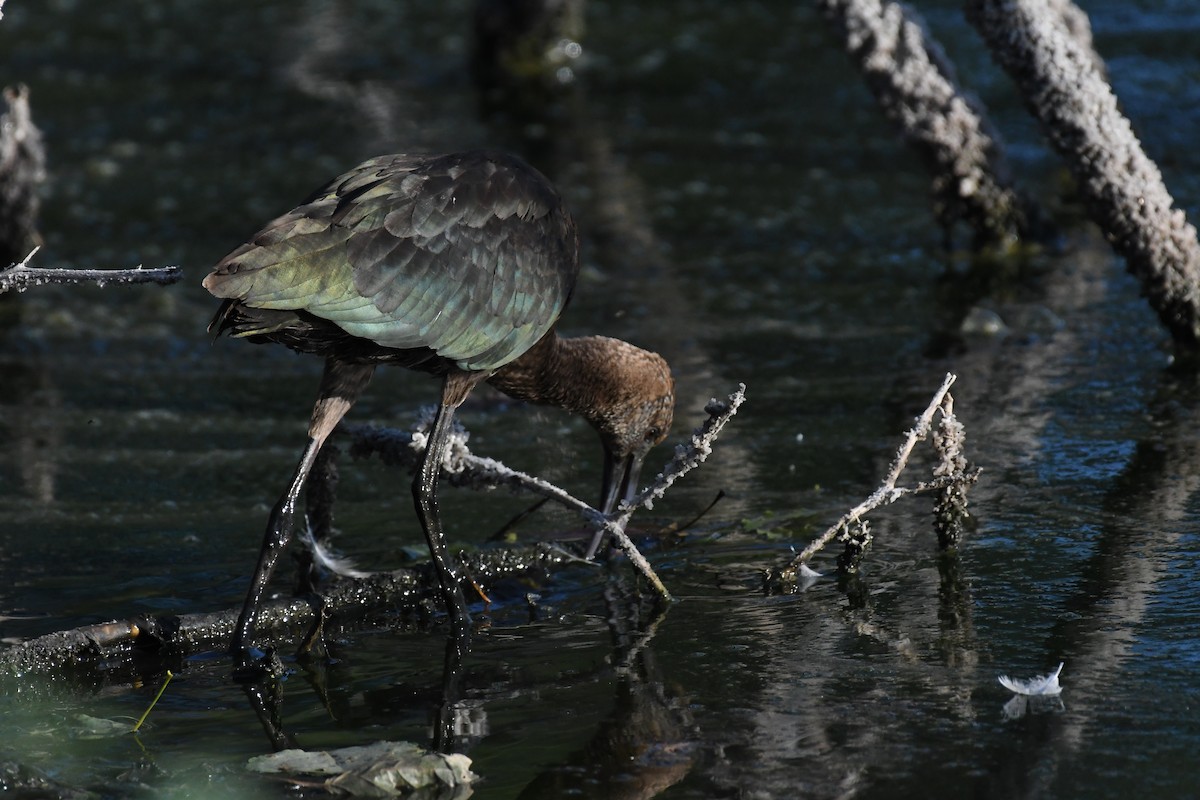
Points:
[(456, 265)]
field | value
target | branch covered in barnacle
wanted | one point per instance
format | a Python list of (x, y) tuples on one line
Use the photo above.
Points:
[(951, 479), (695, 452), (20, 277), (463, 468), (1062, 82), (687, 457)]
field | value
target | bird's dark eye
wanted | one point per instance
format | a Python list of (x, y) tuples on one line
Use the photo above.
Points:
[(653, 433)]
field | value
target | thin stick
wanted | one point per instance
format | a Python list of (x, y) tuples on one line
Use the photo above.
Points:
[(463, 468), (21, 276), (887, 492), (681, 528), (616, 529), (516, 520), (687, 457), (153, 702)]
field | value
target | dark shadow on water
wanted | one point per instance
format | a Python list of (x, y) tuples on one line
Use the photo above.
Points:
[(30, 437), (648, 742)]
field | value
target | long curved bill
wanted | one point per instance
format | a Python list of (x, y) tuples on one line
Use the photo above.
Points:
[(620, 485)]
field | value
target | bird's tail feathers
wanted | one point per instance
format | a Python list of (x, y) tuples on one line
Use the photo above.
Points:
[(242, 321)]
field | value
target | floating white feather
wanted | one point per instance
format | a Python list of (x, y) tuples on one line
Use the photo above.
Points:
[(1039, 685), (335, 564)]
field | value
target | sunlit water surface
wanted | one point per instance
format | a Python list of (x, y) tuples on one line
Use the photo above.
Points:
[(769, 228)]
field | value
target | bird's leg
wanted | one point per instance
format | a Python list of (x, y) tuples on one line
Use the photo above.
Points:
[(341, 384), (452, 668), (319, 493), (454, 390)]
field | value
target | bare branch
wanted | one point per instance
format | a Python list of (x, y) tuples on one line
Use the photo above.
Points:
[(887, 492), (20, 277), (463, 468)]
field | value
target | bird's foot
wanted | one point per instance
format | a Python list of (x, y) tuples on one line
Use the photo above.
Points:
[(251, 665)]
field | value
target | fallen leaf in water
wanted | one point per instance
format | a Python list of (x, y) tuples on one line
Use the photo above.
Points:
[(89, 727), (383, 769)]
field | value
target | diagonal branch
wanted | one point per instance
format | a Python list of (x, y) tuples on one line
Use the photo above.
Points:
[(687, 457), (463, 468), (888, 492), (1122, 188), (913, 81)]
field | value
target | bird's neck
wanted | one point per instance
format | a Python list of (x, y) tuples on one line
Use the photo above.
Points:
[(575, 374)]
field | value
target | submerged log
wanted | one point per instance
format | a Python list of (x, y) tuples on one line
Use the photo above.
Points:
[(914, 82), (105, 647), (357, 596), (1122, 188)]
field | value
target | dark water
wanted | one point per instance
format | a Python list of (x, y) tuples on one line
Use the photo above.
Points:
[(749, 215)]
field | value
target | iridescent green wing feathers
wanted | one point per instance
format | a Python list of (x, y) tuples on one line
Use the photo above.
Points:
[(471, 255)]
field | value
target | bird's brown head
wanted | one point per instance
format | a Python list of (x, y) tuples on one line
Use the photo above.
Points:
[(634, 413), (626, 393)]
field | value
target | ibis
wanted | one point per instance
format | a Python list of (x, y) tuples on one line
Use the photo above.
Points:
[(455, 265)]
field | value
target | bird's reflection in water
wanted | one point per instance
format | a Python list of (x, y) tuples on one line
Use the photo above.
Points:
[(648, 742), (30, 427), (266, 699)]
